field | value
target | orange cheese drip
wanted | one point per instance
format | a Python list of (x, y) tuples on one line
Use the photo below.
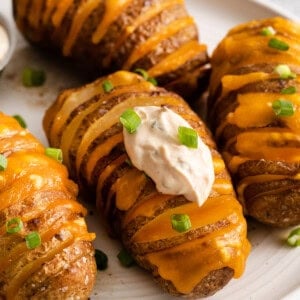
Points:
[(177, 58), (160, 227), (35, 12), (61, 9), (82, 13), (99, 152), (155, 39), (128, 188), (251, 180), (113, 9), (49, 7), (187, 264), (151, 12)]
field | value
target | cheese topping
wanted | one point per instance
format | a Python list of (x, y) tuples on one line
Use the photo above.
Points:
[(175, 168)]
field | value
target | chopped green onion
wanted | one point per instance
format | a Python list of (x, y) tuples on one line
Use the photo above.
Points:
[(20, 120), (146, 76), (152, 80), (125, 258), (54, 153), (293, 239), (14, 225), (142, 72), (130, 120), (3, 162), (284, 72), (101, 259), (278, 44), (289, 90), (33, 240), (181, 222), (188, 136), (33, 77), (283, 108), (107, 86), (268, 31)]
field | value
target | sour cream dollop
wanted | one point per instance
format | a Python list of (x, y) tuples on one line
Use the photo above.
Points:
[(175, 168), (4, 42)]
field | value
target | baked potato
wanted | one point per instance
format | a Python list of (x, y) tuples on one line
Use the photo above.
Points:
[(84, 123), (254, 114), (105, 36), (45, 248)]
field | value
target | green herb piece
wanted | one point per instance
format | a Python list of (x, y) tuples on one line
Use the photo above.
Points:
[(54, 153), (146, 76), (289, 90), (130, 120), (20, 120), (33, 240), (188, 137), (101, 259), (14, 225), (278, 44), (32, 77), (268, 31), (107, 86), (284, 72), (3, 162), (181, 222), (293, 239), (152, 80), (142, 72), (125, 258), (283, 108)]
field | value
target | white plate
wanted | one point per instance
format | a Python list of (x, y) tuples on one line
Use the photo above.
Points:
[(273, 269)]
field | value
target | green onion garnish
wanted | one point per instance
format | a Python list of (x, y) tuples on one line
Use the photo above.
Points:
[(146, 76), (152, 80), (293, 239), (33, 77), (3, 162), (33, 240), (101, 259), (268, 31), (188, 136), (283, 108), (54, 153), (14, 225), (107, 86), (289, 90), (142, 72), (20, 120), (125, 258), (130, 120), (181, 222), (284, 72), (278, 44)]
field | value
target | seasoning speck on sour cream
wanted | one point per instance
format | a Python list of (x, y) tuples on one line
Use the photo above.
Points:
[(4, 42), (175, 168)]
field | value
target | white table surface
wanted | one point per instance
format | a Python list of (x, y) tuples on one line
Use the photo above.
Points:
[(291, 5)]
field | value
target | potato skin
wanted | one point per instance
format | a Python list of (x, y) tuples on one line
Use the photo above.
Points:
[(140, 34), (266, 171), (84, 123), (36, 189)]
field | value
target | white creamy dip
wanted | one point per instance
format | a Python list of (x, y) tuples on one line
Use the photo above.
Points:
[(175, 168), (4, 42)]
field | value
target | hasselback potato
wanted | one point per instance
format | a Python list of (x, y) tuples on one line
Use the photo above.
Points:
[(84, 123), (108, 35), (45, 248), (254, 113)]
